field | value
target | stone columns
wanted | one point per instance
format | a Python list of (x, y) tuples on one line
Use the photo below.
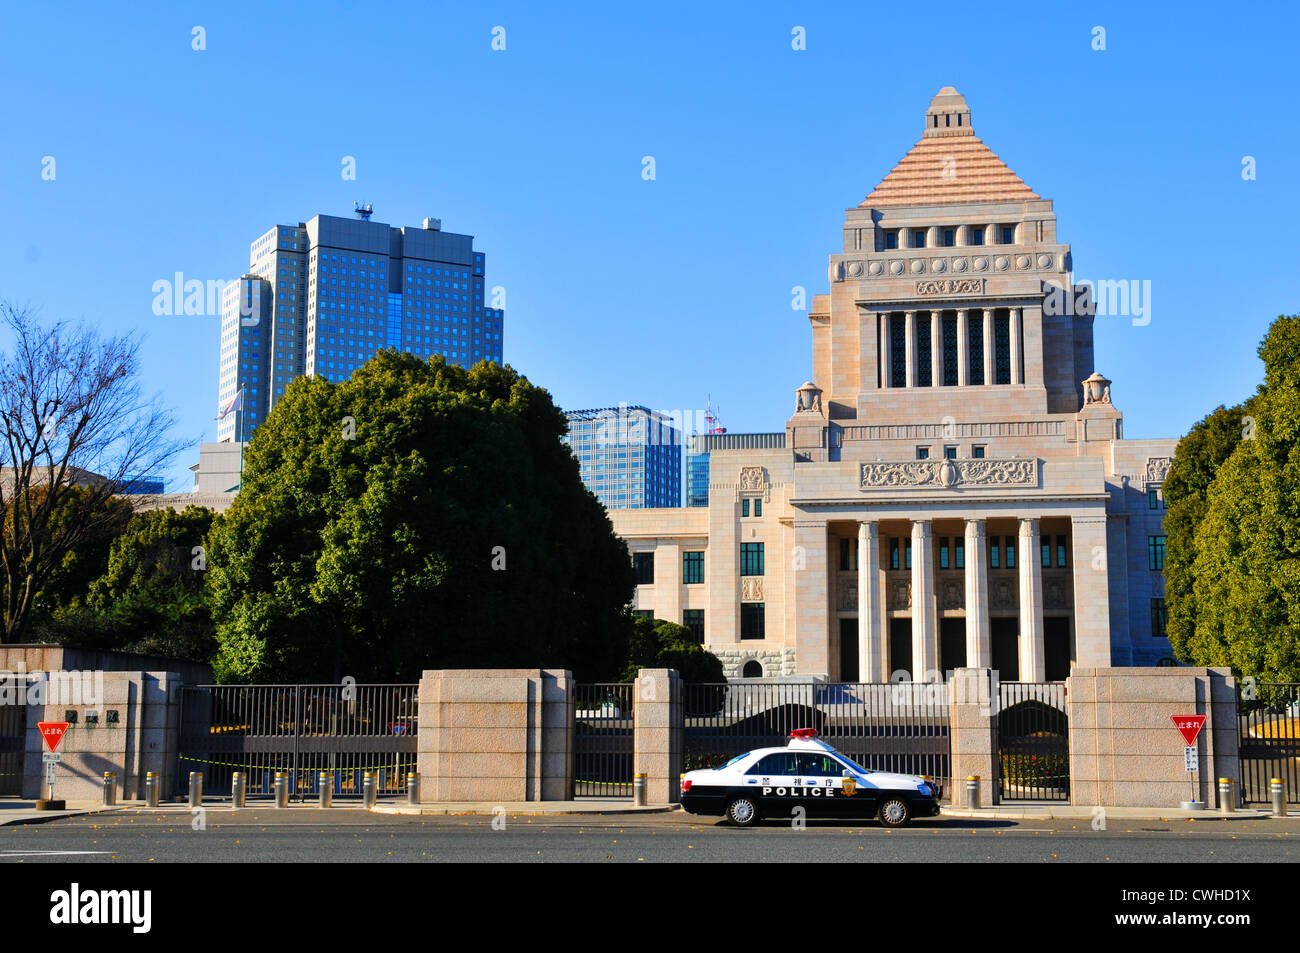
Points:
[(812, 597), (1032, 666), (657, 733), (1091, 592), (1016, 375), (990, 374), (963, 361), (925, 637), (909, 339), (871, 649), (936, 348), (979, 645)]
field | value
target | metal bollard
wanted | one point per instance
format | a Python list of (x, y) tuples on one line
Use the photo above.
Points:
[(639, 793), (281, 789), (369, 790), (1277, 788), (1227, 796), (110, 788), (413, 789), (151, 789), (196, 788), (326, 782), (973, 791), (238, 788)]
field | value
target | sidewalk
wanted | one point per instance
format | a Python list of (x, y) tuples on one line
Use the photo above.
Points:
[(583, 806), (1055, 810), (24, 812)]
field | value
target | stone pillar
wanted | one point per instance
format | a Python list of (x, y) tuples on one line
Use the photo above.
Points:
[(1032, 666), (963, 360), (979, 645), (812, 598), (658, 732), (496, 735), (992, 235), (936, 348), (973, 734), (1016, 376), (1091, 591), (871, 648), (990, 375), (909, 338), (925, 637)]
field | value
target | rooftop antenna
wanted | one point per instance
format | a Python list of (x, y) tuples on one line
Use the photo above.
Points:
[(363, 211)]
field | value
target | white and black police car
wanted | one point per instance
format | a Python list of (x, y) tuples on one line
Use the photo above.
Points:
[(807, 773)]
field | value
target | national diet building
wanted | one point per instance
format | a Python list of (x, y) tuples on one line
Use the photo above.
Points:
[(953, 487)]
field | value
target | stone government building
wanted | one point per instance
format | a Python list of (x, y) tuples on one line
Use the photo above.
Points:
[(954, 487)]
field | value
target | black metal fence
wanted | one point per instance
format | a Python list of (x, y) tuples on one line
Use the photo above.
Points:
[(886, 727), (344, 730), (1033, 742), (1268, 714), (602, 740)]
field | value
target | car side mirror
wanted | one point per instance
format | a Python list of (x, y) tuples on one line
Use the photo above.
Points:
[(846, 773)]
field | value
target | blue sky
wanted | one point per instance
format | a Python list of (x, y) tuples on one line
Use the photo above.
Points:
[(656, 292)]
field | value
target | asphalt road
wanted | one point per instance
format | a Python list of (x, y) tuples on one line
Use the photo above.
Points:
[(262, 835)]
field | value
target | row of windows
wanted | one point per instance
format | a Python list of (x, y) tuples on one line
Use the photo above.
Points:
[(1002, 552), (744, 507), (950, 452), (692, 567)]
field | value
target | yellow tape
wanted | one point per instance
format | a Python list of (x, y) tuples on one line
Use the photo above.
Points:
[(258, 767)]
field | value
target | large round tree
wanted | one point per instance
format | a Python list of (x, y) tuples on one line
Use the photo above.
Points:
[(419, 515)]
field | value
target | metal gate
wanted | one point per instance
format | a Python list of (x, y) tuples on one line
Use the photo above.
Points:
[(1269, 743), (13, 742), (602, 740), (1033, 742), (343, 730), (885, 727)]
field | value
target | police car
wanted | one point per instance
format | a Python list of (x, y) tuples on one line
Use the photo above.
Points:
[(807, 773)]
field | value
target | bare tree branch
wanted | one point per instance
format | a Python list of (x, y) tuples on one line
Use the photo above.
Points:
[(75, 429)]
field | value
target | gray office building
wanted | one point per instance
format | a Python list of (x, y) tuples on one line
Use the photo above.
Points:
[(321, 297)]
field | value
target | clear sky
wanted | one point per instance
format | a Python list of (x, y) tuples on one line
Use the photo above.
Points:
[(661, 292)]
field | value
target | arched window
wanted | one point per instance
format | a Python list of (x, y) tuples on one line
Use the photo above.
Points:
[(752, 669)]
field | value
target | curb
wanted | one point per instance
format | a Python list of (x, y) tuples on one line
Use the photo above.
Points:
[(490, 810), (1078, 814), (43, 817)]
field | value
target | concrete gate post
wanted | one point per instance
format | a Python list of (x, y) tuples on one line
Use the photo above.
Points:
[(973, 734), (658, 728)]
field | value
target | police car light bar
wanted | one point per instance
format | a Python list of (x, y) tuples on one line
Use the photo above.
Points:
[(804, 733)]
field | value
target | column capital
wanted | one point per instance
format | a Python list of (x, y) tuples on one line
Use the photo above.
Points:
[(868, 527), (977, 526), (1029, 526), (921, 528)]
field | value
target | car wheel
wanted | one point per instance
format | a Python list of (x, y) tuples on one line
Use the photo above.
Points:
[(894, 812), (743, 812)]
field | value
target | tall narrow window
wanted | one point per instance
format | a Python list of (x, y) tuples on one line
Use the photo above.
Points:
[(752, 620), (751, 559), (977, 236), (950, 351), (1011, 552), (893, 552), (924, 364), (1156, 552), (897, 351), (744, 507), (994, 552), (1002, 347), (645, 568), (961, 552), (1159, 619), (1060, 552), (692, 567), (975, 351), (1047, 553), (891, 240), (846, 559), (943, 552), (907, 553)]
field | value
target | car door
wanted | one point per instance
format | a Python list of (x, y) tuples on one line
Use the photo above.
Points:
[(837, 795), (777, 783)]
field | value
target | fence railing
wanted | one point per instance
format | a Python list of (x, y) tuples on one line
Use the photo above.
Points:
[(602, 740), (1268, 716), (1033, 742), (343, 730), (885, 727)]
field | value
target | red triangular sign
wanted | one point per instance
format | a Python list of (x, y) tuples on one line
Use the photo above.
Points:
[(1189, 726), (52, 732)]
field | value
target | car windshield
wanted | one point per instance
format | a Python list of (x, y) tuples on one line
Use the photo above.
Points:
[(853, 764), (739, 757)]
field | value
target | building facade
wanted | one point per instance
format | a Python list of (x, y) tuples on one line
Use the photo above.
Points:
[(697, 473), (629, 456), (321, 297), (953, 487)]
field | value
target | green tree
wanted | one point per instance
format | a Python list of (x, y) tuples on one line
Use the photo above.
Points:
[(1239, 603), (659, 644), (152, 597), (419, 515)]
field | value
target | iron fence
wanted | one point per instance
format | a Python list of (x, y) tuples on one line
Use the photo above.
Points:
[(1268, 716), (899, 727), (13, 741), (343, 730), (602, 740), (1033, 742)]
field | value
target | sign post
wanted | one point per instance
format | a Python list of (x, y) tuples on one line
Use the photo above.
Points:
[(1189, 726), (52, 733)]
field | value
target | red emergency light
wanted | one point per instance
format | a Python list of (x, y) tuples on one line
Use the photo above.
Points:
[(804, 733)]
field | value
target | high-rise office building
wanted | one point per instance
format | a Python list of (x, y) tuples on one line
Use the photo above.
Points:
[(629, 456), (321, 297), (697, 472)]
